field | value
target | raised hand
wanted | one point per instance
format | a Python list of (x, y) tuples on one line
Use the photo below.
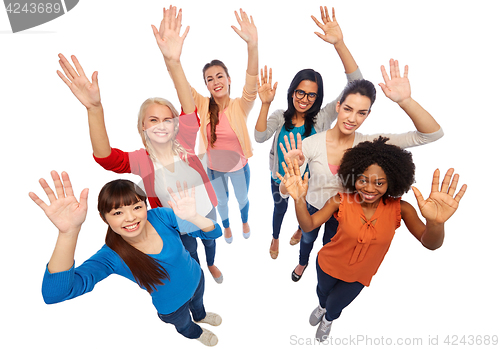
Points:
[(441, 204), (248, 31), (266, 89), (330, 27), (294, 184), (184, 206), (396, 88), (293, 152), (64, 211), (87, 92), (168, 37)]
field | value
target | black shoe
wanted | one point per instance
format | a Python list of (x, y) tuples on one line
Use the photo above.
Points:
[(296, 277)]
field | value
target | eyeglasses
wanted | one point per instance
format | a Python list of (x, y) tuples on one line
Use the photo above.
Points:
[(311, 96)]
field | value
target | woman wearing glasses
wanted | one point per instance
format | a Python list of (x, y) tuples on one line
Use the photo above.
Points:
[(304, 115)]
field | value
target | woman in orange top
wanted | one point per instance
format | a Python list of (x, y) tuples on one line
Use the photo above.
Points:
[(375, 176)]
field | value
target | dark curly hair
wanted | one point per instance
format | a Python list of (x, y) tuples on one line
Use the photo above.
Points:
[(397, 164)]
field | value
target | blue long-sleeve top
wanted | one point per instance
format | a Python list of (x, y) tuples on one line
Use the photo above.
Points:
[(183, 270)]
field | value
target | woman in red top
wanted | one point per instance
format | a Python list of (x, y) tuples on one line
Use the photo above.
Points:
[(169, 140), (375, 176)]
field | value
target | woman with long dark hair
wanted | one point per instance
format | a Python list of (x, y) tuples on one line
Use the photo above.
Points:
[(169, 141), (143, 246), (323, 152), (223, 130), (303, 116)]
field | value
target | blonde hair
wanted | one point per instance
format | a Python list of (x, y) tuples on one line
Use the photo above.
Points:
[(177, 148)]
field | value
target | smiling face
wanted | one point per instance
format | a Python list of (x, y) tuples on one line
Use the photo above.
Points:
[(302, 105), (217, 81), (352, 112), (159, 124), (128, 221), (372, 185)]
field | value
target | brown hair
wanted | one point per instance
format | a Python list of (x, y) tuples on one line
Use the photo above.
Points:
[(213, 107), (146, 270)]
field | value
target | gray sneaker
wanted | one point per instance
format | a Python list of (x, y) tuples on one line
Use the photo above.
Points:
[(208, 338), (211, 319), (323, 330), (316, 315)]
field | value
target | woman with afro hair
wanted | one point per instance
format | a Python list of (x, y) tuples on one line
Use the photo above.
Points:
[(374, 175), (323, 151)]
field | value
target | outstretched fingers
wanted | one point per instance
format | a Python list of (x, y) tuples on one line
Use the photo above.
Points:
[(292, 141), (435, 181), (453, 186), (385, 76), (296, 167), (281, 178), (394, 68), (299, 142), (66, 66), (445, 186), (57, 184), (78, 67), (38, 201), (418, 196), (263, 75), (68, 188), (287, 145), (449, 184), (461, 193), (324, 14)]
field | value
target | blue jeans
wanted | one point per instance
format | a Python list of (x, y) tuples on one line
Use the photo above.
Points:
[(191, 244), (181, 318), (334, 294), (241, 181), (307, 240), (280, 207)]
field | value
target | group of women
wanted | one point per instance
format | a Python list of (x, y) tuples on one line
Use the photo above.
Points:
[(337, 176)]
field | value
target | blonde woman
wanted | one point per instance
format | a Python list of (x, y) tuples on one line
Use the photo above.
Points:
[(168, 156)]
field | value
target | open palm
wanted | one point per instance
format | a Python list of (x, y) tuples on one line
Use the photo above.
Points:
[(293, 151), (266, 89), (441, 204), (183, 205), (248, 31), (64, 211), (330, 27), (397, 87), (168, 36), (85, 91), (294, 184)]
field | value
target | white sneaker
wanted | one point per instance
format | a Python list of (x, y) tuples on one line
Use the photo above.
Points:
[(208, 338), (323, 330), (317, 315), (211, 319)]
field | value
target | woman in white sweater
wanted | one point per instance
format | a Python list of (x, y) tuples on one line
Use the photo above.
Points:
[(304, 115), (323, 152)]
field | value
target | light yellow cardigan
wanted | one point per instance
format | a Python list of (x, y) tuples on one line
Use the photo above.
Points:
[(236, 112)]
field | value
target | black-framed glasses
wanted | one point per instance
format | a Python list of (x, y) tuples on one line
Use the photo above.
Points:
[(311, 96)]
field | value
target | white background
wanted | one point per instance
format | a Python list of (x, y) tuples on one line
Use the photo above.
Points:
[(451, 48)]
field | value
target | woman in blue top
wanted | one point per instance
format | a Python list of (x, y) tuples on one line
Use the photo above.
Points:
[(143, 246), (304, 115)]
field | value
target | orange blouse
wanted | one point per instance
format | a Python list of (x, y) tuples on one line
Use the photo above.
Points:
[(359, 246)]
